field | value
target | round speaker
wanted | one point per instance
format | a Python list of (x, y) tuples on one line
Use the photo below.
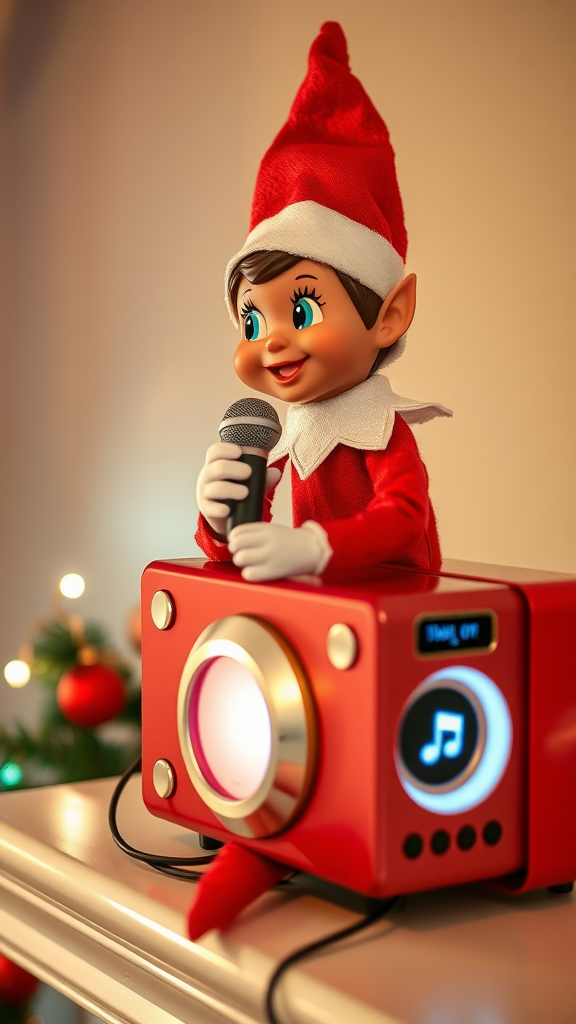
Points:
[(247, 726)]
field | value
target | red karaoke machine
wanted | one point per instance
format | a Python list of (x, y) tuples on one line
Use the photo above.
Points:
[(388, 731)]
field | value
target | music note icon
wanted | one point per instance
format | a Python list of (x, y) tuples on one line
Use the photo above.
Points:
[(446, 724)]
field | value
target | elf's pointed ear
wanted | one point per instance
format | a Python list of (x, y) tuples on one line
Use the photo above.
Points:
[(396, 312)]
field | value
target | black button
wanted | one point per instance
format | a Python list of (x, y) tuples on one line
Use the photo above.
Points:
[(466, 837), (440, 841), (439, 736), (413, 846), (492, 833)]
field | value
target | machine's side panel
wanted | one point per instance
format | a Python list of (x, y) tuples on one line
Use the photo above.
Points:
[(437, 843)]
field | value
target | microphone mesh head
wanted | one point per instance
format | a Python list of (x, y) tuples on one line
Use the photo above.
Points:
[(247, 429)]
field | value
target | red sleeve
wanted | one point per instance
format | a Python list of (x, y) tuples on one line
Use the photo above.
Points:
[(210, 543), (213, 546), (393, 526)]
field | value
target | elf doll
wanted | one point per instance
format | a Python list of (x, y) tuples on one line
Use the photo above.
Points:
[(323, 306), (319, 293)]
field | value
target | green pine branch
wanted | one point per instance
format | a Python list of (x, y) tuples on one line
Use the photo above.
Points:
[(66, 753), (56, 649)]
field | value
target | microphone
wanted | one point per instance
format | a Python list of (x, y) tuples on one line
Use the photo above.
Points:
[(254, 425)]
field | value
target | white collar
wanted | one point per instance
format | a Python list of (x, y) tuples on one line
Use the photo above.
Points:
[(362, 417)]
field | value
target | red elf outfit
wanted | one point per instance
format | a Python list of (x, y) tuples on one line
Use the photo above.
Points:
[(357, 475), (327, 191)]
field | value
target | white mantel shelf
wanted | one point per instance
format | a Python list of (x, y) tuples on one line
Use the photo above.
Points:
[(110, 934)]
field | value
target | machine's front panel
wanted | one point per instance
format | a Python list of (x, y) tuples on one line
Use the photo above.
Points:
[(288, 763)]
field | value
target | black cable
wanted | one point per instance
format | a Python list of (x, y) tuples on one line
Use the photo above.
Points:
[(312, 947), (167, 865)]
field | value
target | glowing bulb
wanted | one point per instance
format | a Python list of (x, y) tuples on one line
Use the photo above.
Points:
[(17, 673), (72, 585), (10, 774)]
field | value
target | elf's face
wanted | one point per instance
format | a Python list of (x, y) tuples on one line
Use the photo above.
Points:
[(302, 338)]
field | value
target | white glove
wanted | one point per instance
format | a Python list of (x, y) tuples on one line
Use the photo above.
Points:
[(268, 551), (220, 480)]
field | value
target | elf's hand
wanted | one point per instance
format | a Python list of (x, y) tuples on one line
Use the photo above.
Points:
[(268, 551), (221, 480)]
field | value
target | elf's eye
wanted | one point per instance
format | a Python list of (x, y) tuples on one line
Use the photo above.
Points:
[(255, 325), (306, 312)]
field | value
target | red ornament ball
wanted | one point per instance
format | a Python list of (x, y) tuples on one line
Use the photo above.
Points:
[(89, 695), (16, 984)]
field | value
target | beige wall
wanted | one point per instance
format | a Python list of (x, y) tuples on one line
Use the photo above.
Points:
[(132, 133)]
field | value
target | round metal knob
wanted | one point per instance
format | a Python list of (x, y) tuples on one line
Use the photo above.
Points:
[(342, 646), (164, 778), (162, 609)]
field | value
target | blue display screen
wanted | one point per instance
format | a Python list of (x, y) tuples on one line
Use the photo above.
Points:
[(456, 633)]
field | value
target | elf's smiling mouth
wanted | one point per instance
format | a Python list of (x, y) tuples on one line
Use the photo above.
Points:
[(287, 371)]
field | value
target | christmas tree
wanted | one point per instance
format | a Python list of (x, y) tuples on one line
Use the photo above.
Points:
[(89, 728)]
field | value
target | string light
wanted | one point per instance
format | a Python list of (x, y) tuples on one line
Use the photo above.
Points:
[(10, 774), (17, 673), (72, 585)]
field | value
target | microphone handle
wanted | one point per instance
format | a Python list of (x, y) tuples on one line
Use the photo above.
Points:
[(249, 510)]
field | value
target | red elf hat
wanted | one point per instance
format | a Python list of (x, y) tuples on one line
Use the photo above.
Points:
[(327, 187)]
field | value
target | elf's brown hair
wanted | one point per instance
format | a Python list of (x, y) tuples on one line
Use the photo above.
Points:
[(260, 267)]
